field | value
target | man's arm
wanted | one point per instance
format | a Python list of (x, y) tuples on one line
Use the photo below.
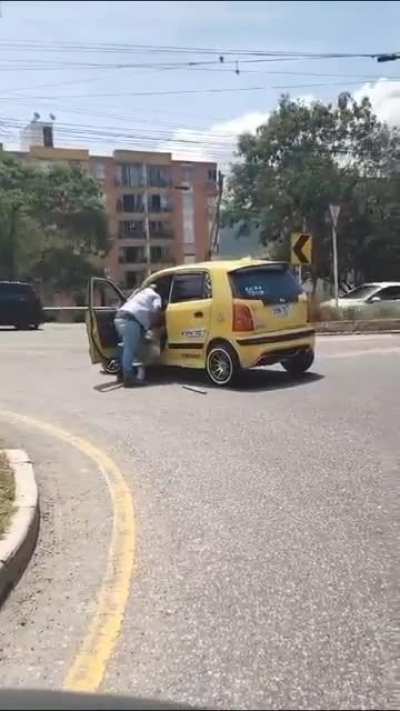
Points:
[(157, 302)]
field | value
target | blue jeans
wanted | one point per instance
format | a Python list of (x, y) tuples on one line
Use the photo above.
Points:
[(131, 334)]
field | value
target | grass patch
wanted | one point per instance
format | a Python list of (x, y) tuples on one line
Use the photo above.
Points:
[(7, 493)]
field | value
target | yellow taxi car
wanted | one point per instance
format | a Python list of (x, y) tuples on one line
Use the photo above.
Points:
[(221, 316)]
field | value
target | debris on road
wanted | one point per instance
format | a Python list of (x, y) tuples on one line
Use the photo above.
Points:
[(195, 390)]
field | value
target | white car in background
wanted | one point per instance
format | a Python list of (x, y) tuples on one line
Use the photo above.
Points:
[(369, 301)]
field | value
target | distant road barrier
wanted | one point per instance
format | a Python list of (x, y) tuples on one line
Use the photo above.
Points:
[(71, 314), (382, 325), (65, 314)]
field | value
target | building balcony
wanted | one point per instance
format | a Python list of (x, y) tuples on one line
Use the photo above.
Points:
[(128, 210), (139, 264), (136, 235), (160, 183), (162, 234)]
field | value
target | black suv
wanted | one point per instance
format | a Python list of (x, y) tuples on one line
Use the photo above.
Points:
[(19, 305)]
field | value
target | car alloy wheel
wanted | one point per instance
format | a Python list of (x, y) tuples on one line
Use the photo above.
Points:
[(112, 366), (220, 365)]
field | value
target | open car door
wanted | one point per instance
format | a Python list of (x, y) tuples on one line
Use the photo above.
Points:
[(104, 300)]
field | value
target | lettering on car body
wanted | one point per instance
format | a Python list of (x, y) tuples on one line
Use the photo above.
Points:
[(194, 333)]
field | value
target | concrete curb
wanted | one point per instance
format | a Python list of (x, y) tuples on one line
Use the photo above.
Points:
[(17, 546), (385, 325)]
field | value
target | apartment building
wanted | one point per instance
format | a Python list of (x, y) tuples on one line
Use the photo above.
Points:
[(160, 210)]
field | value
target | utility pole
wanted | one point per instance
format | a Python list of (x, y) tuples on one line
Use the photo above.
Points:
[(214, 232), (335, 212), (146, 221)]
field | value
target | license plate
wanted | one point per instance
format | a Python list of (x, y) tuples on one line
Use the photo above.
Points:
[(281, 310)]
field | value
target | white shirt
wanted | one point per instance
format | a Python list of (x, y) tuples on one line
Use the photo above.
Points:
[(142, 305)]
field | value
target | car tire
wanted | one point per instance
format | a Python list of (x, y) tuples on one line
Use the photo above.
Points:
[(298, 364), (222, 364), (112, 366)]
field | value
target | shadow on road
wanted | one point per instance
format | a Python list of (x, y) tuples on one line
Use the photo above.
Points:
[(108, 386), (250, 381), (257, 380)]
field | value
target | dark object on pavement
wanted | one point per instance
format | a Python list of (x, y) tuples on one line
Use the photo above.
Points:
[(20, 306), (194, 389), (32, 700)]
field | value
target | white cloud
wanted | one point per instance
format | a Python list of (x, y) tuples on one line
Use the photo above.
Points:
[(385, 99), (216, 143)]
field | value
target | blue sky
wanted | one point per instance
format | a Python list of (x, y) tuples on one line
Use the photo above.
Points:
[(91, 99)]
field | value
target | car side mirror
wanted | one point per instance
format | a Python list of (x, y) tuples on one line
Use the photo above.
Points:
[(375, 300)]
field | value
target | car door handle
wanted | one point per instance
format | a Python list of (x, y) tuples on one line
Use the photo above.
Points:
[(198, 314)]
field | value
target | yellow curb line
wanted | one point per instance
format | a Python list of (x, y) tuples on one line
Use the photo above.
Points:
[(89, 666)]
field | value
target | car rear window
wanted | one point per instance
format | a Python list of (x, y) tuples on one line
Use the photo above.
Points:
[(12, 290), (272, 284)]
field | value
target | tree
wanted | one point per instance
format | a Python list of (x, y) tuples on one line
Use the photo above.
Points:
[(52, 224), (308, 156)]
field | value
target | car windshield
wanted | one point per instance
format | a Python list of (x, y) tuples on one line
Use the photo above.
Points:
[(272, 284), (361, 292), (12, 290)]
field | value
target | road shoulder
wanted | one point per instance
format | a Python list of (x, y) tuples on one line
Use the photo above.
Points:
[(19, 540)]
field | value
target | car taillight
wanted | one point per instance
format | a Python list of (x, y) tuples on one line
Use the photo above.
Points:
[(242, 318)]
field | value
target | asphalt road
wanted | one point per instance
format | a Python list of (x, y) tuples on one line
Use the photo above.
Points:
[(265, 517)]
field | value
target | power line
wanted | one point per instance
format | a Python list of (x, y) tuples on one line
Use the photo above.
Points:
[(34, 45), (178, 92), (167, 92), (159, 135)]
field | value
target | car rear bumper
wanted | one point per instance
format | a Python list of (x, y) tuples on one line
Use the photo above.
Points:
[(268, 348)]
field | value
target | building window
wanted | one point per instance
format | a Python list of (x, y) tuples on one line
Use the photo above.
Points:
[(160, 229), (155, 203), (131, 255), (187, 173), (158, 176), (132, 203), (48, 136), (99, 170), (131, 175), (156, 254), (156, 227), (160, 254), (212, 175), (133, 229), (159, 203)]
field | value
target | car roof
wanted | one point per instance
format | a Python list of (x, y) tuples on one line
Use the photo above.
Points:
[(225, 265), (14, 283), (380, 284)]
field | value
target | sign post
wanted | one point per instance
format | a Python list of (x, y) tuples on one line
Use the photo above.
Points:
[(335, 212)]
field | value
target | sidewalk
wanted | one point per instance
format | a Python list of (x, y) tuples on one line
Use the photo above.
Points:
[(50, 606)]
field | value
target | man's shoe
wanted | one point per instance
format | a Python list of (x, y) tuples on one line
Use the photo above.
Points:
[(120, 377)]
